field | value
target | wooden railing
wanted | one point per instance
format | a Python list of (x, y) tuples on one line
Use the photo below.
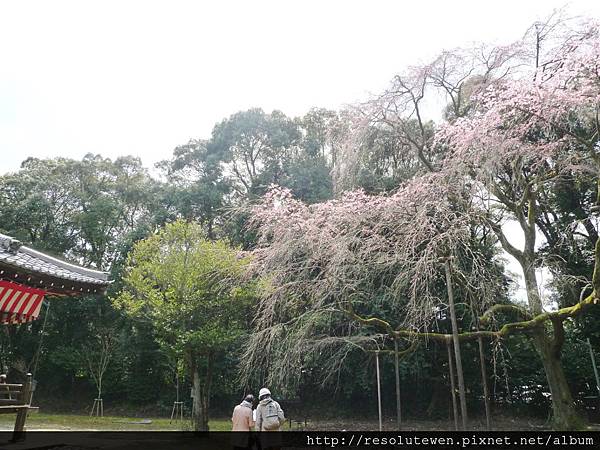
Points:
[(16, 398)]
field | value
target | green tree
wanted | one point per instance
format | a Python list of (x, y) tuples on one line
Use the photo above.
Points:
[(191, 290), (91, 211), (38, 205), (197, 188), (81, 209), (256, 147)]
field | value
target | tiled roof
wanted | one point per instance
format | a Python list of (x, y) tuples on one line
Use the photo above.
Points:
[(13, 254)]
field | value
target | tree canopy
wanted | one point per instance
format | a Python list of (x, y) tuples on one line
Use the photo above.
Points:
[(286, 250), (191, 290)]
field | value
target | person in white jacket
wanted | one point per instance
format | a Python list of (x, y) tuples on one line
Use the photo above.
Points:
[(269, 415)]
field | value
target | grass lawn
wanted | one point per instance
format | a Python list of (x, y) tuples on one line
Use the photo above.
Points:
[(71, 422), (75, 422)]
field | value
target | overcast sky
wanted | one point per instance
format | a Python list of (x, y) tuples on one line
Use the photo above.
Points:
[(141, 77)]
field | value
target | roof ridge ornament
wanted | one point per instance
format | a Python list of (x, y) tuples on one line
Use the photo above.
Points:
[(10, 244)]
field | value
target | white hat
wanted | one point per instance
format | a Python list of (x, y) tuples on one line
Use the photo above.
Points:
[(264, 391)]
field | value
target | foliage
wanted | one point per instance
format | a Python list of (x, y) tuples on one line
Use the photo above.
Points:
[(378, 256), (191, 290), (340, 271), (539, 128), (77, 208)]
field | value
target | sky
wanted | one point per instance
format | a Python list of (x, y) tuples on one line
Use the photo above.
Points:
[(141, 77)]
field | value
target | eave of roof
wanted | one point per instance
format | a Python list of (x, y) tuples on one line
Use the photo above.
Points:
[(18, 256)]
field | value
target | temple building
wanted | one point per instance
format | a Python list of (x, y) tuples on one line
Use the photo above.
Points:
[(27, 276)]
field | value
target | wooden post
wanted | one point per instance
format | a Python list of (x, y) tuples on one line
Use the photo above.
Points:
[(19, 430), (452, 385), (378, 389), (484, 382), (594, 366), (398, 405), (177, 412), (98, 407), (459, 370)]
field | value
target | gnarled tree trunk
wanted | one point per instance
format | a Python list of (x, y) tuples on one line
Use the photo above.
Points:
[(548, 345), (565, 416)]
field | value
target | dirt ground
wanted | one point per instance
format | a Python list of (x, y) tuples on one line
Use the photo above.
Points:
[(498, 423)]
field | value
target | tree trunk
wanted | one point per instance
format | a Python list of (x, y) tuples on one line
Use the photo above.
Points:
[(200, 417), (439, 400), (565, 416), (531, 286)]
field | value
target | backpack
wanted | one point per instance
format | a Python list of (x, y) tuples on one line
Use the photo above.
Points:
[(271, 416)]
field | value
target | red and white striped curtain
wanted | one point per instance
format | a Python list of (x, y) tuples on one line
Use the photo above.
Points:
[(18, 303)]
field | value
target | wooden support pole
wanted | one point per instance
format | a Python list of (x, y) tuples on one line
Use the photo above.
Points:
[(459, 370), (594, 366), (177, 412), (19, 430), (452, 385), (397, 369), (97, 407), (484, 382), (378, 389)]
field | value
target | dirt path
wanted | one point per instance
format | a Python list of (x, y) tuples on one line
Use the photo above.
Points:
[(498, 423)]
